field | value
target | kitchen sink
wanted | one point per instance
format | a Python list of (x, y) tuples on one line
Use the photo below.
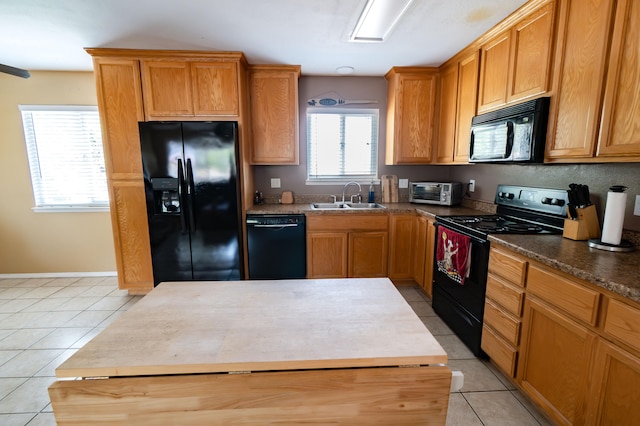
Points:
[(365, 206), (345, 206)]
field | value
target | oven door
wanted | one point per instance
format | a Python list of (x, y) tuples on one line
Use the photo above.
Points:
[(461, 307)]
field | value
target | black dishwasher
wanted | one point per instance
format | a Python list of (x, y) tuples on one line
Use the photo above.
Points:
[(276, 246)]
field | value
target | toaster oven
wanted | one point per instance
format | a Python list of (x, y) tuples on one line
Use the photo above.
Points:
[(441, 193)]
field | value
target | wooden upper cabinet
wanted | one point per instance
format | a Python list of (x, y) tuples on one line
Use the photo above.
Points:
[(120, 106), (215, 88), (532, 51), (515, 64), (274, 114), (467, 99), (583, 34), (189, 88), (620, 128), (411, 115), (447, 113), (494, 72)]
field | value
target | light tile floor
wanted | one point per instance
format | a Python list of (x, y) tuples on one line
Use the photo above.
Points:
[(44, 321)]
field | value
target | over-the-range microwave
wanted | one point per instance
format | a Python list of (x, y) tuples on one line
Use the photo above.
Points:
[(441, 193)]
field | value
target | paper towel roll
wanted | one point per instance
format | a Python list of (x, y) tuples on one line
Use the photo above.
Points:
[(614, 215)]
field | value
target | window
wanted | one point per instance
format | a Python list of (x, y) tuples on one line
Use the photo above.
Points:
[(64, 147), (342, 145)]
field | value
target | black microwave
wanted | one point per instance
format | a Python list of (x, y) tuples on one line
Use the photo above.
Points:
[(515, 134)]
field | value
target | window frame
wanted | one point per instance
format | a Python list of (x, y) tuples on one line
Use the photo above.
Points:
[(34, 155), (343, 179)]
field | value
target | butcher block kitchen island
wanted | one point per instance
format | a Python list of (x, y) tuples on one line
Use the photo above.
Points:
[(335, 351)]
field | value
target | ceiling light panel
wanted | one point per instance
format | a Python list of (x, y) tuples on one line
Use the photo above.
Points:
[(378, 18)]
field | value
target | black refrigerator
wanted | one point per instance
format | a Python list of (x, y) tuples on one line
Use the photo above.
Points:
[(193, 198)]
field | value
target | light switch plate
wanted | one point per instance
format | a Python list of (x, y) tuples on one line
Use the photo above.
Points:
[(636, 207), (403, 183), (275, 182)]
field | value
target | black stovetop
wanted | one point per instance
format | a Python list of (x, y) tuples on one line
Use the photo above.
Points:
[(520, 210)]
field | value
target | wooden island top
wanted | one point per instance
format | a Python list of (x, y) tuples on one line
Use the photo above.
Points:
[(343, 336)]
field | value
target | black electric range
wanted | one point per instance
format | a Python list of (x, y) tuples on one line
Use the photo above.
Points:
[(519, 210)]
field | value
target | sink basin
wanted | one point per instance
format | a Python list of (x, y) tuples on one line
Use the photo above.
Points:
[(328, 206), (345, 206), (365, 206)]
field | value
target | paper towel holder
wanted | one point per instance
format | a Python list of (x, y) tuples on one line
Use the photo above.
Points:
[(624, 245)]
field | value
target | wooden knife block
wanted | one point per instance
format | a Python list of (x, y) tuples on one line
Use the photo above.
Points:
[(585, 227)]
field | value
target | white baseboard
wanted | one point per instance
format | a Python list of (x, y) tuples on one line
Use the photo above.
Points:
[(61, 275)]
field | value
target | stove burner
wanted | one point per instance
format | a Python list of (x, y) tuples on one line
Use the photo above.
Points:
[(513, 228), (466, 219)]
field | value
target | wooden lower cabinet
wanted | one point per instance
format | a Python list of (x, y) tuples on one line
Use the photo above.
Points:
[(402, 250), (423, 254), (368, 254), (327, 254), (615, 373), (555, 360), (347, 246)]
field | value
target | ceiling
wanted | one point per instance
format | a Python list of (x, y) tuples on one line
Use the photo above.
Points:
[(52, 34)]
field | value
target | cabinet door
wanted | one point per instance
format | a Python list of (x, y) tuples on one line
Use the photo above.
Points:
[(402, 228), (131, 236), (616, 374), (620, 130), (467, 100), (447, 114), (532, 47), (120, 105), (327, 254), (412, 117), (583, 34), (554, 364), (367, 254), (215, 88), (494, 72), (429, 258), (274, 115), (167, 88), (420, 248)]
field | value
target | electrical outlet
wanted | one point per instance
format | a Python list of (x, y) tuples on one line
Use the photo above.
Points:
[(275, 182), (636, 208), (403, 183), (472, 185)]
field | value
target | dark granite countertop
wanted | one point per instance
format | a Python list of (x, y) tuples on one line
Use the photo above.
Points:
[(614, 271), (617, 272)]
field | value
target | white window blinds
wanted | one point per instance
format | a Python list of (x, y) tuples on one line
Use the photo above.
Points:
[(342, 144), (66, 161)]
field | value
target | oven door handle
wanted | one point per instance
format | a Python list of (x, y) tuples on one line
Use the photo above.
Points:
[(473, 237)]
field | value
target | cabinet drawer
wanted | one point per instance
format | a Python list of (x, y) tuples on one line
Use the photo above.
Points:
[(623, 322), (574, 298), (502, 322), (500, 352), (509, 297), (507, 266), (348, 222)]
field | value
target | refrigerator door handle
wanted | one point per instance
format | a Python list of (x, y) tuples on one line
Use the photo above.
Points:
[(183, 218), (190, 194)]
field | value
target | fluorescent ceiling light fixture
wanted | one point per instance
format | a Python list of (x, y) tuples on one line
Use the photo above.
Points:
[(378, 19)]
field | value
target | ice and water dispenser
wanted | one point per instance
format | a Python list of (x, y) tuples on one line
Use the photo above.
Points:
[(166, 195)]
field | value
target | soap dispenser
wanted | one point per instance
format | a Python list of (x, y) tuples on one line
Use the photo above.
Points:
[(372, 195)]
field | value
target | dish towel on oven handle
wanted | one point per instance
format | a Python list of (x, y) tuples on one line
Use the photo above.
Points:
[(453, 254)]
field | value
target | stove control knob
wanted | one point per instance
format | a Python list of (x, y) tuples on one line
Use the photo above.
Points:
[(553, 201), (507, 195)]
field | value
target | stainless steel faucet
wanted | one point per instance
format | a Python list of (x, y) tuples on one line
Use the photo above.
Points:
[(344, 189)]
